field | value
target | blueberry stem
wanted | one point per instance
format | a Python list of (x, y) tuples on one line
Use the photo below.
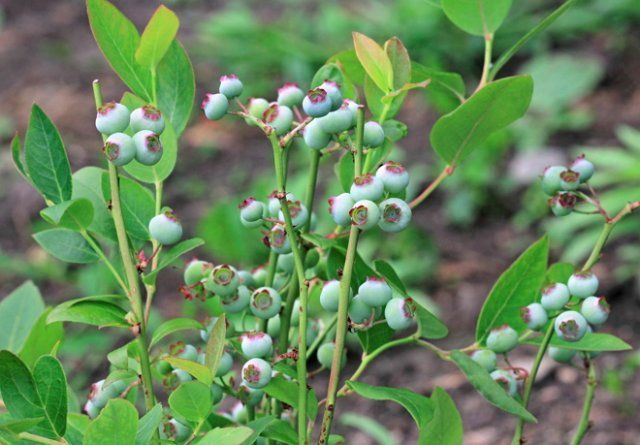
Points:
[(444, 174), (592, 382), (486, 67), (322, 335)]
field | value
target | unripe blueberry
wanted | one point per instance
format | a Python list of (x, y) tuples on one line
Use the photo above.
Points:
[(223, 280), (364, 214), (236, 302), (147, 117), (583, 284), (290, 94), (239, 413), (215, 106), (278, 117), (251, 210), (534, 316), (330, 296), (165, 228), (373, 134), (555, 296), (112, 117), (278, 239), (333, 92), (563, 203), (570, 326), (295, 313), (256, 108), (316, 103), (230, 86), (259, 275), (551, 179), (595, 310), (583, 167), (325, 355), (163, 367), (273, 326), (256, 373), (502, 339), (196, 271), (561, 355), (395, 215), (256, 344), (339, 207), (368, 187), (285, 263), (280, 280), (485, 358), (353, 108), (250, 396), (337, 121), (399, 313), (177, 430), (394, 177), (314, 136), (216, 394), (251, 224), (119, 149), (265, 303), (312, 258), (182, 376), (148, 147), (273, 205), (359, 311), (375, 291), (505, 379), (298, 211), (91, 410), (187, 352), (246, 278), (569, 180), (225, 364), (97, 396)]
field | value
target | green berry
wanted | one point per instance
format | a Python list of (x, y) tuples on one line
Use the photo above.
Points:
[(278, 117), (505, 379), (256, 108), (239, 413), (290, 95), (339, 207), (316, 103), (373, 134), (91, 410), (256, 344), (395, 215), (182, 376), (285, 263), (399, 313), (353, 108), (333, 93), (502, 339), (163, 367), (485, 358), (367, 186), (177, 430), (375, 291), (569, 180), (359, 311), (534, 316), (236, 302), (325, 355), (299, 213), (394, 177), (230, 86), (278, 240), (570, 326), (256, 373), (251, 210), (188, 352), (583, 284), (250, 396), (273, 326), (119, 149), (595, 310), (112, 117), (196, 271), (148, 118), (223, 280), (148, 147), (561, 355), (246, 278), (259, 275), (551, 179), (265, 303), (216, 394), (330, 296), (215, 106), (295, 313), (165, 228), (365, 214), (583, 167), (562, 204), (225, 364), (314, 136), (555, 296), (337, 121)]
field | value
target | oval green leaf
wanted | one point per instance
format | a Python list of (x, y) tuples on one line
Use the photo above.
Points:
[(171, 326), (117, 424), (157, 36), (478, 17), (75, 214), (66, 245), (192, 401), (374, 60)]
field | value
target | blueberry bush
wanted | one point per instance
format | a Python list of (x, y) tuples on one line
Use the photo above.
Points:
[(262, 326)]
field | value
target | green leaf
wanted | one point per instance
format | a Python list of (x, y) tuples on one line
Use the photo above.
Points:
[(591, 342), (192, 400), (377, 103), (161, 170), (176, 87), (559, 273), (171, 326), (17, 155), (12, 427), (478, 17), (215, 344), (157, 36), (344, 171), (451, 84), (52, 388), (374, 337), (46, 158), (488, 388), (76, 426), (43, 339), (388, 98), (232, 435), (386, 270), (19, 312), (400, 62), (281, 431), (117, 424), (75, 214), (429, 325), (420, 407), (258, 426), (138, 206), (287, 391), (369, 427), (66, 245), (87, 183), (374, 60), (148, 425), (517, 287), (118, 40), (445, 428), (455, 135), (169, 257), (101, 311), (200, 372)]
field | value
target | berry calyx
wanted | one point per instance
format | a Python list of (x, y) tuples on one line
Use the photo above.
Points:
[(570, 326), (148, 147), (583, 167), (165, 228), (563, 203), (395, 215), (375, 291), (373, 134), (223, 280), (339, 207), (215, 106), (316, 103), (534, 316), (399, 313), (265, 303), (364, 214), (278, 117), (230, 86), (367, 186), (583, 284), (147, 117), (112, 117), (394, 177), (119, 149), (278, 240), (256, 373), (251, 210), (569, 180), (502, 339)]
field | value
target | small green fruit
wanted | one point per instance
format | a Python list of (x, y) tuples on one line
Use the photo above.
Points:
[(570, 326), (223, 280), (555, 296), (375, 291), (485, 358), (507, 380), (278, 117), (595, 310), (551, 179), (534, 316), (290, 95), (395, 215), (502, 339), (265, 303), (373, 134), (399, 313), (583, 284), (368, 187), (119, 149), (215, 106), (112, 117), (256, 344), (165, 228), (230, 86), (365, 214), (256, 373), (148, 118)]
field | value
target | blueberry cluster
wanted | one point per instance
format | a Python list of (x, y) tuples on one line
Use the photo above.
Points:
[(562, 183), (370, 201), (145, 123), (254, 213)]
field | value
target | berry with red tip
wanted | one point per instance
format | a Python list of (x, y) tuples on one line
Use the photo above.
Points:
[(196, 271), (278, 240), (534, 316), (569, 180), (119, 149), (339, 207), (215, 106), (561, 355), (365, 214), (333, 92), (278, 117), (330, 296), (91, 410), (485, 358), (298, 211), (375, 291), (256, 344), (399, 313), (316, 103), (314, 136), (256, 373), (367, 186), (147, 117), (265, 303), (223, 280), (290, 94), (505, 379), (551, 179), (177, 430), (236, 302), (112, 117), (395, 215), (595, 310), (353, 108), (583, 167), (359, 311), (148, 147), (583, 284), (502, 339), (251, 210), (337, 121), (394, 177), (563, 203), (555, 296), (186, 352), (165, 228), (225, 364), (373, 134), (570, 326), (230, 86)]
